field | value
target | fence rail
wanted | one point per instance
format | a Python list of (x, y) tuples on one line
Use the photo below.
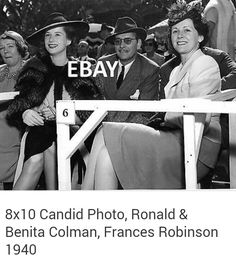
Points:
[(192, 132)]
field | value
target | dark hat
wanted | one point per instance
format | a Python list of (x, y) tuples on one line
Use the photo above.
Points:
[(182, 10), (57, 19), (106, 27), (126, 25)]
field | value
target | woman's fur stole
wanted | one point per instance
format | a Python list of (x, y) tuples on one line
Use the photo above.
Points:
[(35, 81)]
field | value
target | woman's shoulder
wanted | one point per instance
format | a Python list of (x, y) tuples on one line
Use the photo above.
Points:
[(35, 63), (204, 61)]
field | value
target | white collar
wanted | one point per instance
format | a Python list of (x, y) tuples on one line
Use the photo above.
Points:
[(127, 67)]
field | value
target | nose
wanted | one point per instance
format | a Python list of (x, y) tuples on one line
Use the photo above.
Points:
[(122, 43), (50, 39), (5, 50), (180, 34)]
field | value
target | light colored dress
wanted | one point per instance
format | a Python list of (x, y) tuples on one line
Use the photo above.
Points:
[(9, 135), (145, 158)]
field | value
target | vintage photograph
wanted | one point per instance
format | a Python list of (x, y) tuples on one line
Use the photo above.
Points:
[(117, 94)]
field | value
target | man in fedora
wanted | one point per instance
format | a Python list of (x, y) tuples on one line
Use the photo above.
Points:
[(136, 77)]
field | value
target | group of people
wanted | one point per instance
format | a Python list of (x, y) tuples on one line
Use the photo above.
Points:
[(130, 150)]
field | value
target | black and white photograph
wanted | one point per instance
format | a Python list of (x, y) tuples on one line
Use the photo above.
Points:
[(125, 98)]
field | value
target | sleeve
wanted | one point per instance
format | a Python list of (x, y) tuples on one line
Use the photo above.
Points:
[(211, 15), (164, 79), (228, 72), (29, 95)]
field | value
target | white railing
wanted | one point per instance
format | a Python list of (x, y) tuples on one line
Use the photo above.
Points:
[(5, 96), (192, 128)]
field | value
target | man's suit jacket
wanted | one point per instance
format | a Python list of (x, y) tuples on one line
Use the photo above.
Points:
[(226, 64), (143, 75)]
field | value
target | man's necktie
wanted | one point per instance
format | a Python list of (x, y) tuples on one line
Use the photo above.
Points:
[(121, 77)]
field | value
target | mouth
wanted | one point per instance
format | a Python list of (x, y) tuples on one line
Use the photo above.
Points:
[(123, 51), (181, 43), (52, 46)]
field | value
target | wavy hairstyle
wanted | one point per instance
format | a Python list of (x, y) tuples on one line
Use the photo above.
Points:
[(180, 11)]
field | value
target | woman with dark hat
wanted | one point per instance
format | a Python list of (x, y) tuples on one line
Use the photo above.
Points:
[(14, 51), (139, 157), (43, 80)]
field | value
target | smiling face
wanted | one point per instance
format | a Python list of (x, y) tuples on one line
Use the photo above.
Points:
[(185, 38), (56, 41), (127, 51), (9, 52)]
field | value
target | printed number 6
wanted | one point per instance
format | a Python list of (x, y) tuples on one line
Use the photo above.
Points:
[(65, 112)]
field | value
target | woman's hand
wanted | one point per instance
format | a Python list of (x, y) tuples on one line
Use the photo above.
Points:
[(49, 113), (32, 118)]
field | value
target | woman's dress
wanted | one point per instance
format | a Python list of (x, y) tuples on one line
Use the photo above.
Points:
[(9, 135)]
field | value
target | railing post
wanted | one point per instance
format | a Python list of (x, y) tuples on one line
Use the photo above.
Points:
[(189, 151), (232, 150), (64, 168), (65, 117)]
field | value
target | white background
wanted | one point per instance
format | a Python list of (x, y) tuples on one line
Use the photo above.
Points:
[(205, 209)]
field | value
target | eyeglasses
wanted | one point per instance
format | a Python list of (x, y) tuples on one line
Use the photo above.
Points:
[(148, 44), (118, 41)]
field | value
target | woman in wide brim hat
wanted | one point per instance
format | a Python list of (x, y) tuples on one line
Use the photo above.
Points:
[(127, 25), (44, 80), (57, 19)]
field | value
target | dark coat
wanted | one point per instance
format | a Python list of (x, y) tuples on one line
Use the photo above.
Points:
[(35, 81), (143, 75)]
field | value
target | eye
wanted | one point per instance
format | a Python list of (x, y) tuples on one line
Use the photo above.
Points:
[(187, 30)]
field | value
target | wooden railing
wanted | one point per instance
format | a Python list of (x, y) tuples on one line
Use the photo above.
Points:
[(192, 128)]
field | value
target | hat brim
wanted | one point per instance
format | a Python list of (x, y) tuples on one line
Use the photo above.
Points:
[(141, 32), (81, 29)]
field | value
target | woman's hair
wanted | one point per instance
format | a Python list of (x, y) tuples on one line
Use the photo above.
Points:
[(180, 11), (70, 34), (23, 50)]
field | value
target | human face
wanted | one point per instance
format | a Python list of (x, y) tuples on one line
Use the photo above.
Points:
[(56, 41), (127, 52), (185, 38), (149, 46), (9, 52), (82, 49)]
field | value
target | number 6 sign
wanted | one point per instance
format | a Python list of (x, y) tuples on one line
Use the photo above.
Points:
[(66, 112)]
